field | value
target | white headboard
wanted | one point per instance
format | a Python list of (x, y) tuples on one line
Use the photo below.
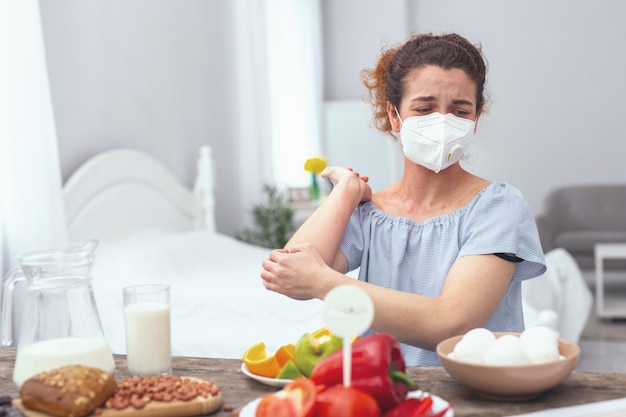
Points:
[(124, 191)]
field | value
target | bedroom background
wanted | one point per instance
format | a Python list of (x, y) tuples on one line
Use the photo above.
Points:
[(166, 77)]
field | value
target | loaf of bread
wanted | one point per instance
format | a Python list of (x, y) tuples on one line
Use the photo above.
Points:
[(69, 391)]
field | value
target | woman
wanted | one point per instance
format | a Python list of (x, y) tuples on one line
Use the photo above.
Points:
[(441, 251)]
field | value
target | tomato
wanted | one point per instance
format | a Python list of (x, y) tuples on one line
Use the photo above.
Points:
[(308, 391), (296, 399), (277, 404), (340, 401)]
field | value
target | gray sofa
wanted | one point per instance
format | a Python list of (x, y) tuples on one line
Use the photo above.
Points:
[(577, 217)]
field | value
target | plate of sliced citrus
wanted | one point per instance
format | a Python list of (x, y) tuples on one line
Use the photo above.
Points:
[(272, 382), (278, 367), (274, 368)]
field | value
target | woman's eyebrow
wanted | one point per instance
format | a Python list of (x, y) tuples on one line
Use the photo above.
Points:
[(462, 102), (425, 98), (433, 98)]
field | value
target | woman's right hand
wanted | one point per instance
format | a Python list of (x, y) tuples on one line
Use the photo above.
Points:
[(338, 175)]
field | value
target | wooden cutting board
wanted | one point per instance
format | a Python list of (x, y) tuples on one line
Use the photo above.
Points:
[(198, 406)]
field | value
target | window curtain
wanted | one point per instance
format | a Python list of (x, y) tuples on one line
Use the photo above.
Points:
[(31, 206), (295, 80), (280, 92)]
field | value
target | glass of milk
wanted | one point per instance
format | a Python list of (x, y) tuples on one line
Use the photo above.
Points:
[(148, 334)]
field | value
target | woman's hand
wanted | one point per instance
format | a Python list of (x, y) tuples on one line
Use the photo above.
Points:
[(296, 272), (337, 175)]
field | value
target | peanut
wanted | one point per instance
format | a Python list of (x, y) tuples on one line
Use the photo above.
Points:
[(138, 391)]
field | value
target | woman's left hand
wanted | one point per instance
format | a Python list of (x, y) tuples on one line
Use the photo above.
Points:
[(295, 272)]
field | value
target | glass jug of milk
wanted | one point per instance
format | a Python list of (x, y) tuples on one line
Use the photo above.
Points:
[(60, 321)]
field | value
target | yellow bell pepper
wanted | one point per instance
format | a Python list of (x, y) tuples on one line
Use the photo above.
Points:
[(324, 333), (260, 361)]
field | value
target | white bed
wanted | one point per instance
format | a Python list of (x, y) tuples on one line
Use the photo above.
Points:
[(153, 229)]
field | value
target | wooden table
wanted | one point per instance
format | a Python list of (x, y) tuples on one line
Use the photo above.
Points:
[(238, 390)]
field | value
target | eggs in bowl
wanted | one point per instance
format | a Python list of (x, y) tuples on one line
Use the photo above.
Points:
[(511, 382)]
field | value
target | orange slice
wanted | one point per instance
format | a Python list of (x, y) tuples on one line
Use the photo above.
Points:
[(285, 353), (264, 363), (260, 362)]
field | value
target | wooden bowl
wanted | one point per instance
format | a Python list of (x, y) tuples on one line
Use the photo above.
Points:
[(509, 383)]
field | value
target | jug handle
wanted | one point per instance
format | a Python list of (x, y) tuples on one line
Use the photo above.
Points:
[(8, 283)]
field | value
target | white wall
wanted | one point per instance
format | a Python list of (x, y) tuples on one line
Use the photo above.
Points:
[(352, 142), (157, 75)]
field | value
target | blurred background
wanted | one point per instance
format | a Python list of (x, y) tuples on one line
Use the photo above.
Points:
[(270, 83)]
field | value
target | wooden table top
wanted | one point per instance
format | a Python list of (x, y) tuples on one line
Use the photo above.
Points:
[(238, 389)]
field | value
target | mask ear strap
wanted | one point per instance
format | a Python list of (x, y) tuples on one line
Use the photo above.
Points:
[(398, 114)]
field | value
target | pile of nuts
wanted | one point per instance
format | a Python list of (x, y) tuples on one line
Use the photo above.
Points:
[(139, 391)]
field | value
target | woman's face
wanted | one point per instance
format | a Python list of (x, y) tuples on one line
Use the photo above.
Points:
[(434, 89)]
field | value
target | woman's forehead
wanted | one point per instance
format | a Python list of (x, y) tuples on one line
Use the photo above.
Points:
[(432, 83)]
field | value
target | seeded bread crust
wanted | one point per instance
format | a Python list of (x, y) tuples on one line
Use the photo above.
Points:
[(69, 391)]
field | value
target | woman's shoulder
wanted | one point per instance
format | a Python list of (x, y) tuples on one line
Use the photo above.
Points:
[(501, 190), (483, 196), (499, 200)]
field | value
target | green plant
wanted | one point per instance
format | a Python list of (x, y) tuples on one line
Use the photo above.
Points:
[(273, 221)]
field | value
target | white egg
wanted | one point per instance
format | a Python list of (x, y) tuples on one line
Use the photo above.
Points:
[(469, 351), (539, 333), (481, 336), (541, 351), (550, 319), (508, 340), (507, 350)]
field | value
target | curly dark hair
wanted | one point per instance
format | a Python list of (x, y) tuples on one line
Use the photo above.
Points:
[(385, 82)]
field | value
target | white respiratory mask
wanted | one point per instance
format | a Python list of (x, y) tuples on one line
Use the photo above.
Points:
[(435, 141)]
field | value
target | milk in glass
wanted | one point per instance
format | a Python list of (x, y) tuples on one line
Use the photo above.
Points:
[(148, 342)]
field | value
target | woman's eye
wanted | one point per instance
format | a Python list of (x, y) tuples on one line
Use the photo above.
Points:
[(423, 110)]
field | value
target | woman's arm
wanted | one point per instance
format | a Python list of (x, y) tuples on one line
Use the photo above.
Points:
[(474, 287), (325, 227), (473, 290)]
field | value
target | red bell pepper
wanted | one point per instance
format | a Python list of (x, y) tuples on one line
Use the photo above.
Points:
[(423, 407), (378, 368), (442, 412), (417, 407), (411, 407)]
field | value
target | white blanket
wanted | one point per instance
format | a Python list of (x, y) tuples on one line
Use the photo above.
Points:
[(562, 289), (219, 304)]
